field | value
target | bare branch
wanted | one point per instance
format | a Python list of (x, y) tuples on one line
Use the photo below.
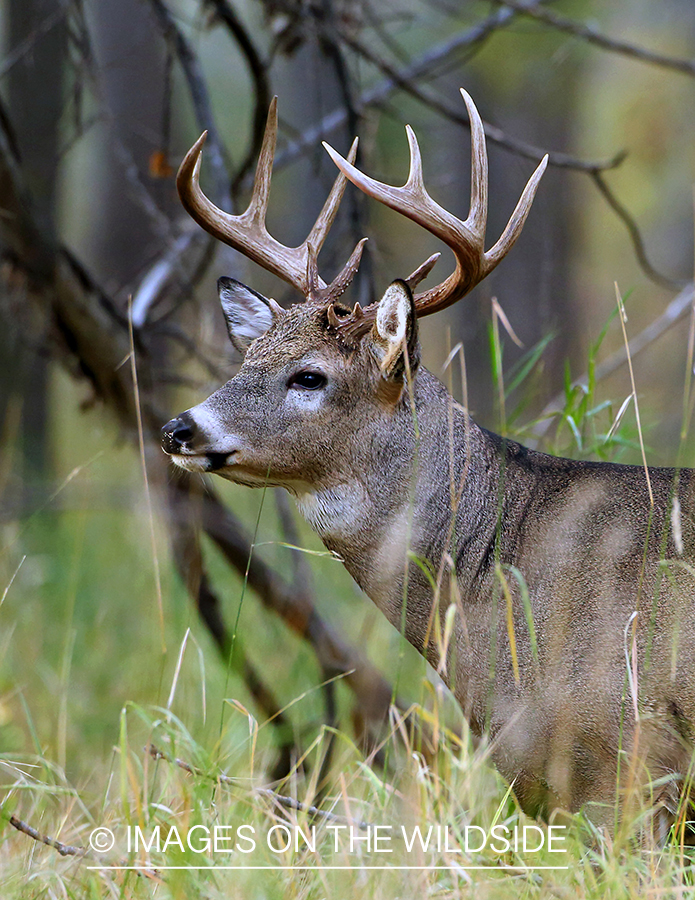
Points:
[(183, 498), (410, 75), (297, 609), (302, 581), (279, 799), (559, 160), (326, 815), (71, 850), (92, 332), (592, 36), (201, 354), (673, 313), (162, 225), (28, 45), (452, 112), (634, 233), (173, 275), (63, 849)]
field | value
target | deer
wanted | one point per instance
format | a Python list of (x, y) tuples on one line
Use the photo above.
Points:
[(572, 650)]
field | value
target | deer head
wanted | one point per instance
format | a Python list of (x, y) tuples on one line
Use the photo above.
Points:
[(319, 380)]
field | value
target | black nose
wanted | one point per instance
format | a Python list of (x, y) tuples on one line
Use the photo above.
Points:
[(177, 432)]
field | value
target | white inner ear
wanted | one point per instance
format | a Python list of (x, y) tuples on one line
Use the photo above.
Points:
[(392, 314), (248, 315)]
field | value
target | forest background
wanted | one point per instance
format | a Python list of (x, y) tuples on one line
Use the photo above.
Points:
[(133, 602)]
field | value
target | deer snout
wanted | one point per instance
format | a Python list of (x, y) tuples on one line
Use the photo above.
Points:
[(178, 433)]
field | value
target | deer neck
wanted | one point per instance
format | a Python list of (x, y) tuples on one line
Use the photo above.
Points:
[(400, 506)]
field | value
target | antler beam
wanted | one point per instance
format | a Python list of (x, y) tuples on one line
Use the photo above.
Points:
[(247, 233), (466, 239)]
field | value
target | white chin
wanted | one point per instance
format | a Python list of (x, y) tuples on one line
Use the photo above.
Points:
[(192, 463)]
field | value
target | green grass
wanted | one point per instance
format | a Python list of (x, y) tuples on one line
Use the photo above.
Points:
[(89, 679)]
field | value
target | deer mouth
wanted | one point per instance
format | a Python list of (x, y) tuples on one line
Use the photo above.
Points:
[(202, 462), (219, 460)]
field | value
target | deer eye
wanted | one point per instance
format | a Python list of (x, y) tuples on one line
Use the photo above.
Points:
[(307, 381)]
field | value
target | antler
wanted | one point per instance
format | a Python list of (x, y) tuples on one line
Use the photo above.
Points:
[(248, 233), (466, 239)]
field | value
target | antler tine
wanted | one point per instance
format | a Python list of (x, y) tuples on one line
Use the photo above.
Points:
[(326, 296), (350, 329), (258, 206), (326, 217), (248, 233), (422, 271), (518, 217), (477, 216), (466, 239), (318, 291), (411, 200), (415, 182)]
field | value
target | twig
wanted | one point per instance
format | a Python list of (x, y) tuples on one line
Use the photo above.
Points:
[(297, 609), (327, 815), (177, 333), (592, 36), (281, 799), (173, 275), (162, 224), (559, 160), (188, 559), (91, 337), (452, 112), (302, 580), (675, 311), (29, 43), (71, 850), (63, 849), (408, 78)]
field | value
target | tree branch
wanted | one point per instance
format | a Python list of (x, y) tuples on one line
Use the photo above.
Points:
[(492, 133), (409, 75), (592, 36), (634, 234), (90, 330)]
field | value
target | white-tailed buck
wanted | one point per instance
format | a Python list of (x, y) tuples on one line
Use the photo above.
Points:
[(546, 560)]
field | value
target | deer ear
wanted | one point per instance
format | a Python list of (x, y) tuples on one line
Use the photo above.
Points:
[(248, 314), (395, 331)]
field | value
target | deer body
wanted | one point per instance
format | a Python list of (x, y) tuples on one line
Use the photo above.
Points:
[(544, 559)]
